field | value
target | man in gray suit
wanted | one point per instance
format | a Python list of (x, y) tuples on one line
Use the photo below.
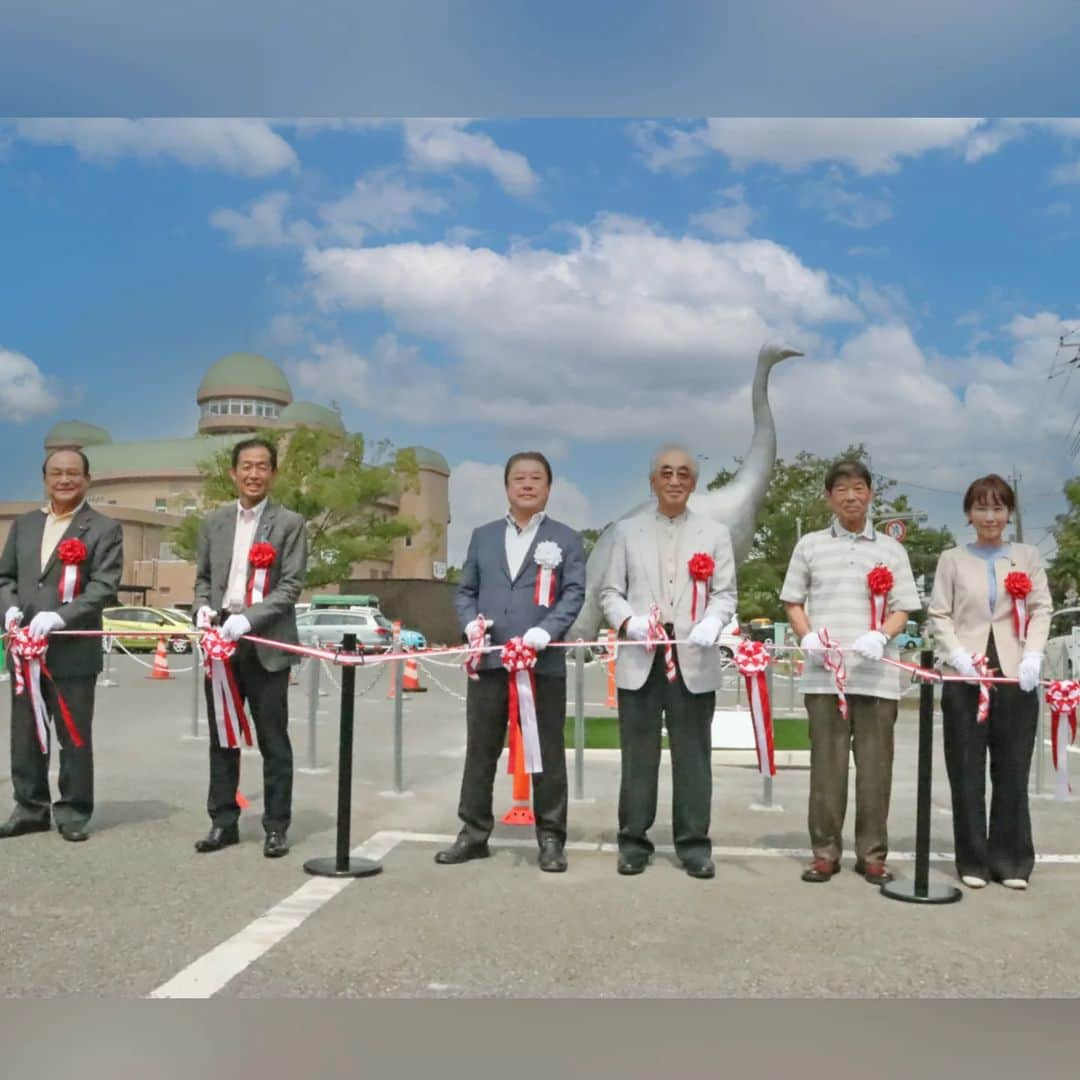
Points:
[(226, 585), (651, 566), (36, 585), (504, 580)]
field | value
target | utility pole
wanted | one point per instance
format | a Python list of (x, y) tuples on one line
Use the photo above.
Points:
[(1018, 521)]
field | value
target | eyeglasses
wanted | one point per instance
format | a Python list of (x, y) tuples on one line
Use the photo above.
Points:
[(246, 467), (62, 474)]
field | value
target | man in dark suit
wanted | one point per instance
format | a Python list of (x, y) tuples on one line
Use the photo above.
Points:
[(36, 585), (226, 584), (526, 575)]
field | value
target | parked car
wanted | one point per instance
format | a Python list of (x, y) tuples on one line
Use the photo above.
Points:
[(115, 621), (328, 627), (909, 637)]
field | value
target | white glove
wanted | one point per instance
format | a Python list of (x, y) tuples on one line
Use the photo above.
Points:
[(815, 651), (871, 645), (637, 627), (12, 617), (474, 625), (536, 637), (235, 627), (203, 617), (1028, 672), (705, 632), (44, 623), (960, 661)]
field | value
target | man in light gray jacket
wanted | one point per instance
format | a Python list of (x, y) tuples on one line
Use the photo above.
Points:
[(525, 574)]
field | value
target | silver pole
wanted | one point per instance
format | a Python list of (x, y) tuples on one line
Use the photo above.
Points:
[(314, 671), (196, 687), (1040, 744), (399, 726), (766, 786), (579, 722)]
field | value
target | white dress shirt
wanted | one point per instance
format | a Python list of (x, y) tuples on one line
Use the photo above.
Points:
[(668, 531), (247, 523), (55, 527), (519, 540)]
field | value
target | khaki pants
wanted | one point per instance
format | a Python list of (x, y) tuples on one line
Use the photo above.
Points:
[(868, 730)]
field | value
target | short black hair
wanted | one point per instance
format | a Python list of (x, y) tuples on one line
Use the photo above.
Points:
[(247, 444), (69, 450), (848, 469), (526, 455)]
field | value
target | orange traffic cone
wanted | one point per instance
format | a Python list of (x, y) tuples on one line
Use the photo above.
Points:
[(521, 812), (410, 681), (610, 703), (161, 663)]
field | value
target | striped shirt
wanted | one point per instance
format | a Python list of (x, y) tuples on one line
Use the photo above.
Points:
[(827, 574)]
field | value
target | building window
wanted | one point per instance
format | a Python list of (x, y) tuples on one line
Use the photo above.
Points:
[(249, 408), (236, 408), (191, 508), (161, 505), (165, 552)]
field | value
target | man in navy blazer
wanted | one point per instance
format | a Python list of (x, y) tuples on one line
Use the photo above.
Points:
[(525, 574)]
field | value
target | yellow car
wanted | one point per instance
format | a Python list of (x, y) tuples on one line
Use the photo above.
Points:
[(120, 620)]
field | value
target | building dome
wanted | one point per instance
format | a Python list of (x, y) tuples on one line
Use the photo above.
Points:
[(76, 433), (308, 414), (430, 459), (245, 375)]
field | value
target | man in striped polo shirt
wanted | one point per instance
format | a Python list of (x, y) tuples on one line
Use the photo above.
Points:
[(827, 595)]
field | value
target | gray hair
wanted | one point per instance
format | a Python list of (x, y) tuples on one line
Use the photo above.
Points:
[(660, 451)]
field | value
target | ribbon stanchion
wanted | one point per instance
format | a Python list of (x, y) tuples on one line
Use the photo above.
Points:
[(752, 661), (920, 890), (1063, 697), (342, 865)]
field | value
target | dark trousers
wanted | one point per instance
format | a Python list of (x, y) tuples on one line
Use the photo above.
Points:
[(1005, 850), (868, 732), (30, 767), (486, 724), (688, 718), (267, 696)]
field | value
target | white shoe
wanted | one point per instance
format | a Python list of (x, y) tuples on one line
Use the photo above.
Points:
[(973, 882), (1014, 883)]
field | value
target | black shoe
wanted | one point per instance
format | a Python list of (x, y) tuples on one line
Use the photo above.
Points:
[(877, 873), (18, 824), (632, 864), (701, 866), (218, 837), (552, 857), (75, 833), (275, 845), (462, 850)]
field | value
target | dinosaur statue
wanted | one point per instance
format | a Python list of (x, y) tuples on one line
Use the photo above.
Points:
[(735, 505)]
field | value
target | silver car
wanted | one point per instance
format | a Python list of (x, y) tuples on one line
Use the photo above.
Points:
[(329, 626)]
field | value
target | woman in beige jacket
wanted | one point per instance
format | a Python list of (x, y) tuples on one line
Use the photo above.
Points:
[(972, 614)]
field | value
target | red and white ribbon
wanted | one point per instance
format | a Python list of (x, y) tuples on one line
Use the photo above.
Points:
[(519, 660), (982, 667), (229, 715), (701, 567), (656, 634), (28, 659), (834, 662), (1063, 697), (548, 556), (476, 644), (751, 661), (261, 556), (1018, 585), (880, 583), (71, 553)]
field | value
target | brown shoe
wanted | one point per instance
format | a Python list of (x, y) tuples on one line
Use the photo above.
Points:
[(876, 873), (821, 870)]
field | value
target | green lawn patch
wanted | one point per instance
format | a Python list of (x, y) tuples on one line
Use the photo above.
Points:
[(602, 733)]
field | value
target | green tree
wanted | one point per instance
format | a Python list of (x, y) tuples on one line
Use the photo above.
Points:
[(347, 502), (794, 504), (1063, 572), (589, 538)]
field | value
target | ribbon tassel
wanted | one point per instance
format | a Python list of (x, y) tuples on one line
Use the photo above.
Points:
[(519, 660), (751, 661)]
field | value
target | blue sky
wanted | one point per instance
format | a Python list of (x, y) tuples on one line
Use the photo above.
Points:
[(587, 287)]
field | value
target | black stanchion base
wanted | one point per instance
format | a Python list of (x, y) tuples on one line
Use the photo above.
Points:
[(328, 867), (935, 894)]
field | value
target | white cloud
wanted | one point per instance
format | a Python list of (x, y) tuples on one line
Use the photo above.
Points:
[(477, 495), (1068, 173), (448, 144), (731, 218), (382, 202), (263, 225), (844, 206), (244, 146), (867, 145), (25, 393)]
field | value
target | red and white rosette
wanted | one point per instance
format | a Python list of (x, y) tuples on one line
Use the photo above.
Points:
[(476, 645), (834, 663), (28, 659), (1063, 697), (1018, 585), (72, 553), (657, 634), (519, 660), (751, 661), (880, 583), (548, 556), (701, 567), (229, 715), (261, 557)]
